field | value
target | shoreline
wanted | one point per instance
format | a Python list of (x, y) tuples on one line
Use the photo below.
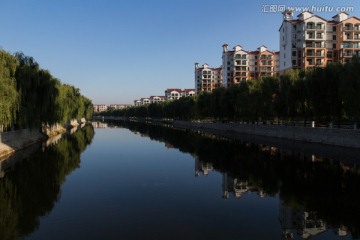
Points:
[(230, 131), (14, 141), (349, 138)]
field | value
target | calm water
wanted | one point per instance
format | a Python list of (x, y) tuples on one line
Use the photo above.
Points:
[(136, 181)]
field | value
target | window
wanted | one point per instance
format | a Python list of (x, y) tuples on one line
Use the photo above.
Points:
[(334, 37), (334, 28), (334, 46), (294, 53), (294, 62)]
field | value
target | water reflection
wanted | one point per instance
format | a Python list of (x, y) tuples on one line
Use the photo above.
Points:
[(30, 185), (317, 194)]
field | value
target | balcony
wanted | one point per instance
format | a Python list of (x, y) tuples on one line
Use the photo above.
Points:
[(314, 54), (318, 27), (349, 53), (314, 37), (350, 45), (315, 45)]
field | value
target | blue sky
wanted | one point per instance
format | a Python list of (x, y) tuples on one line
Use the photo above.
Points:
[(116, 51)]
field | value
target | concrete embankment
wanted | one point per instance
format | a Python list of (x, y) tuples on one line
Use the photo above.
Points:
[(13, 141), (330, 136), (16, 140)]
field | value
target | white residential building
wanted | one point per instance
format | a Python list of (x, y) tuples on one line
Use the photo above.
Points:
[(172, 94), (207, 79), (188, 92), (311, 40), (242, 65), (100, 108), (157, 99)]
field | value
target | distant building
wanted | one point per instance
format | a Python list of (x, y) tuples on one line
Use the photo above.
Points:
[(119, 106), (188, 92), (176, 93), (172, 94), (100, 108), (207, 79), (145, 101), (137, 103), (105, 107), (242, 65), (157, 99)]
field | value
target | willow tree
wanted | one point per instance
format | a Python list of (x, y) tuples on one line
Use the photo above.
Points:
[(9, 97)]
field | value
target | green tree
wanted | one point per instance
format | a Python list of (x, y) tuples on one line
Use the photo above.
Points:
[(9, 97)]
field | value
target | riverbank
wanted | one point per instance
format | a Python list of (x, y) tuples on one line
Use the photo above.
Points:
[(13, 141), (348, 138), (329, 136), (17, 140)]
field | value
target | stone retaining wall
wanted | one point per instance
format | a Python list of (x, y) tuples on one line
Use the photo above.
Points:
[(16, 140), (329, 136)]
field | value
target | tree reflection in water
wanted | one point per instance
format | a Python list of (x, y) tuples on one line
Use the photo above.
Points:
[(314, 192), (31, 190)]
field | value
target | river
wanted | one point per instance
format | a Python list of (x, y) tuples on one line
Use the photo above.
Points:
[(137, 181)]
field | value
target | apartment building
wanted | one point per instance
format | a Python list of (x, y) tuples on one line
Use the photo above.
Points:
[(157, 99), (242, 65), (100, 108), (119, 106), (137, 103), (145, 101), (188, 92), (172, 93), (207, 79), (311, 40), (177, 93)]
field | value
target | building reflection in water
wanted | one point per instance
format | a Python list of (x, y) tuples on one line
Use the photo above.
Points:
[(100, 124), (202, 167), (238, 187), (297, 222), (321, 193)]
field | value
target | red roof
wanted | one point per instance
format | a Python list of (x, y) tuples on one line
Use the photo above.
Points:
[(339, 13), (173, 89), (157, 96), (189, 90)]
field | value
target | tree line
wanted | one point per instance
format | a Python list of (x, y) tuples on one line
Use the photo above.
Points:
[(328, 94), (30, 96)]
